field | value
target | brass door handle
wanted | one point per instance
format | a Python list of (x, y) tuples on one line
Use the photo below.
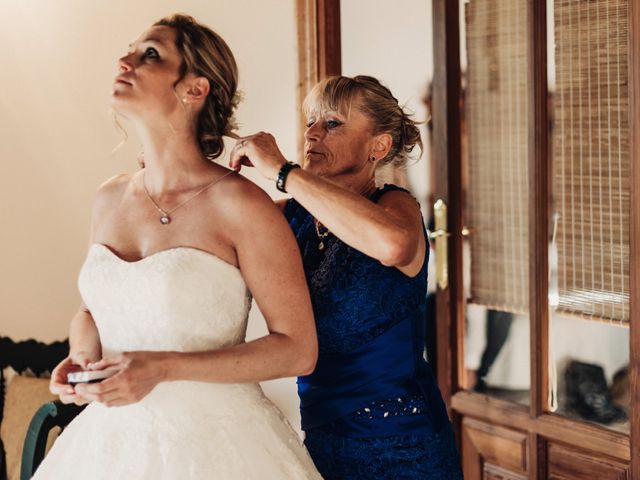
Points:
[(440, 237), (437, 234), (440, 233)]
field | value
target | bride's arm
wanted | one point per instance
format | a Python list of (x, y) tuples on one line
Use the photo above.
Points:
[(84, 347), (84, 340), (270, 263)]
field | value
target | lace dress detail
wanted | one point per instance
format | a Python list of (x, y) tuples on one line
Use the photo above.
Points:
[(362, 308), (341, 280), (182, 299), (401, 457)]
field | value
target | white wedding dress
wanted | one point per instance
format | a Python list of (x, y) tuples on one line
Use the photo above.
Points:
[(181, 299)]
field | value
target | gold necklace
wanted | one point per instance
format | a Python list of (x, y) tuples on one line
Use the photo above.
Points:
[(165, 215), (321, 236), (325, 234)]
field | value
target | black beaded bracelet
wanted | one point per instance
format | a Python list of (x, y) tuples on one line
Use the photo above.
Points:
[(283, 174)]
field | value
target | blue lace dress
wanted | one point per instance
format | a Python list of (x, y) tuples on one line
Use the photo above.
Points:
[(371, 409)]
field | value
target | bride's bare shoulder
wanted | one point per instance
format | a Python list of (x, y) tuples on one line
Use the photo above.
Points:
[(237, 193), (238, 198), (113, 190), (116, 184)]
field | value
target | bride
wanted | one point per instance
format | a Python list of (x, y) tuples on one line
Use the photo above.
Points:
[(177, 249)]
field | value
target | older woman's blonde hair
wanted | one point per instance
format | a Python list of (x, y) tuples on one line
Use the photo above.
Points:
[(375, 101)]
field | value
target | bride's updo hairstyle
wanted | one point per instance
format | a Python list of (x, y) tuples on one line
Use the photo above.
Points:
[(375, 101), (206, 54)]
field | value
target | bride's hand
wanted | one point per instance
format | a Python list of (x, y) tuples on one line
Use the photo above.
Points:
[(139, 373), (260, 151), (59, 385)]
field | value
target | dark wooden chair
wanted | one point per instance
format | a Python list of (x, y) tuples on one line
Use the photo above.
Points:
[(30, 355), (48, 416)]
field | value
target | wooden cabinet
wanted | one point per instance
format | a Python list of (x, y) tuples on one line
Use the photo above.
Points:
[(491, 451), (567, 463)]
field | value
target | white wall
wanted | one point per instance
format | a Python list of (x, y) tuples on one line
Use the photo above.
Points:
[(393, 42), (58, 62)]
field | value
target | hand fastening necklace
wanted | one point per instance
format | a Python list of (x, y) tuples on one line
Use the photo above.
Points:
[(321, 235), (165, 215)]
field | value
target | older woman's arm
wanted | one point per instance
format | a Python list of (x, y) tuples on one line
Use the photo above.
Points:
[(390, 231)]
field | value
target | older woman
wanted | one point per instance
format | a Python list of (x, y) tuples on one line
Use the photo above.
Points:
[(371, 408)]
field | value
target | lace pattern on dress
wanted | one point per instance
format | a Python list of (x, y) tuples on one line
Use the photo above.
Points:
[(424, 457), (355, 298)]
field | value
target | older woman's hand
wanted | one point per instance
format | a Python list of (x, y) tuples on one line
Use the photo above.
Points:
[(139, 373), (260, 151)]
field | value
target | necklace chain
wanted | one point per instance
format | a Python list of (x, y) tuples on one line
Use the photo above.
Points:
[(165, 219), (321, 235), (325, 234)]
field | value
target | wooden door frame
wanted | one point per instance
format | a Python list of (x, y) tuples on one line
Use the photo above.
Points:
[(319, 42), (448, 188), (634, 251), (319, 50), (539, 190)]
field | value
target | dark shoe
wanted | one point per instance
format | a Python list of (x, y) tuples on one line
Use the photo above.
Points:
[(480, 386), (588, 395)]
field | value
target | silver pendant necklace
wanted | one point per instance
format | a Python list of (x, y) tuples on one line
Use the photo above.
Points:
[(165, 215)]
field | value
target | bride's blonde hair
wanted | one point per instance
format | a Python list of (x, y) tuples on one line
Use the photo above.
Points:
[(205, 54)]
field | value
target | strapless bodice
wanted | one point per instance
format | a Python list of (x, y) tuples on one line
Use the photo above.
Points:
[(179, 299)]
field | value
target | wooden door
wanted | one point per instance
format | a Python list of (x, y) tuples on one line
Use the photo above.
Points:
[(503, 438)]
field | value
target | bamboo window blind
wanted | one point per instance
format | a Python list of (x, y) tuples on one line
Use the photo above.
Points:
[(591, 158), (496, 111)]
